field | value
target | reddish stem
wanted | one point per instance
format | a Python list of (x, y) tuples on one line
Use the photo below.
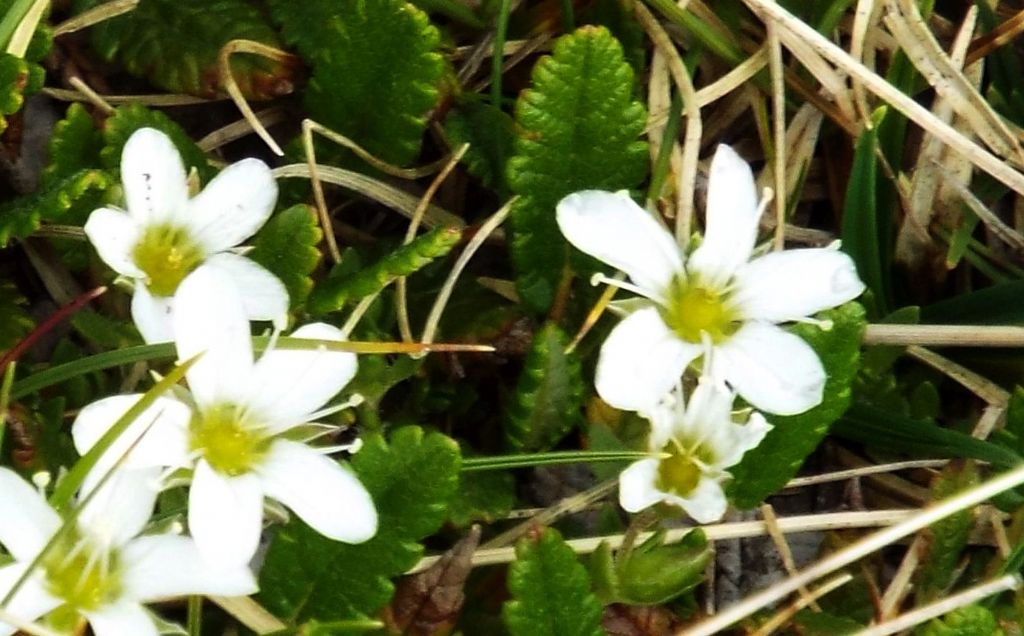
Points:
[(56, 318)]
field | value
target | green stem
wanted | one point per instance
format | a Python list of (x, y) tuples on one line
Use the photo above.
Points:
[(195, 615), (717, 42), (568, 19), (498, 59), (671, 134), (12, 19), (527, 460), (5, 398)]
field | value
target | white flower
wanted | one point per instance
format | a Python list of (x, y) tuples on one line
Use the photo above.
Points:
[(716, 298), (165, 235), (692, 447), (237, 430), (100, 570)]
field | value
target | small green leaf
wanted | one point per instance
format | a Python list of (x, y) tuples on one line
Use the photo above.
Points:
[(972, 620), (129, 118), (14, 80), (16, 322), (287, 247), (549, 396), (578, 129), (946, 538), (550, 591), (654, 573), (767, 468), (490, 134), (75, 145), (411, 478), (182, 41), (21, 217), (811, 623), (376, 69), (482, 496), (341, 286)]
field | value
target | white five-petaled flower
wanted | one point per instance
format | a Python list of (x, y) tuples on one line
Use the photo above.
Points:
[(100, 569), (164, 235), (693, 445), (238, 428), (717, 298)]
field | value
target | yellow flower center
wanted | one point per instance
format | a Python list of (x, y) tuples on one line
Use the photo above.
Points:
[(166, 254), (693, 310), (225, 441), (82, 574), (680, 472)]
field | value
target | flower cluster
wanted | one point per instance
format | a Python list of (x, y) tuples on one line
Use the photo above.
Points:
[(720, 303), (239, 435)]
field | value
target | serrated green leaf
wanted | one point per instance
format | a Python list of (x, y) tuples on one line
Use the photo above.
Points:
[(341, 286), (578, 129), (182, 41), (549, 396), (74, 145), (550, 591), (14, 79), (287, 247), (972, 620), (21, 217), (490, 134), (767, 468), (376, 69), (132, 116), (654, 573), (946, 538), (16, 321), (412, 478)]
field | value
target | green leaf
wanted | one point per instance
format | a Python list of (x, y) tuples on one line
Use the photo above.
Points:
[(376, 69), (411, 478), (74, 145), (946, 538), (995, 305), (287, 247), (342, 286), (16, 322), (14, 80), (490, 134), (811, 623), (578, 128), (652, 573), (862, 233), (973, 620), (132, 116), (21, 217), (550, 591), (482, 496), (549, 396), (182, 41), (766, 469)]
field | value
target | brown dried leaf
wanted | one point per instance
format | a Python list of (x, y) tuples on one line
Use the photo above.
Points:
[(636, 620), (428, 603)]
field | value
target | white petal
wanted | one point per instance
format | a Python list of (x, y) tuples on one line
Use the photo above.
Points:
[(263, 294), (772, 369), (790, 285), (636, 486), (26, 521), (662, 419), (160, 433), (710, 406), (612, 228), (641, 361), (731, 219), (739, 438), (233, 206), (32, 599), (153, 315), (165, 566), (122, 506), (225, 515), (290, 384), (706, 502), (121, 618), (114, 234), (153, 177), (328, 497), (210, 319)]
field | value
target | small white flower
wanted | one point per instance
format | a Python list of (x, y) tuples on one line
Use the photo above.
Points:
[(165, 235), (236, 429), (717, 298), (100, 570), (692, 447)]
